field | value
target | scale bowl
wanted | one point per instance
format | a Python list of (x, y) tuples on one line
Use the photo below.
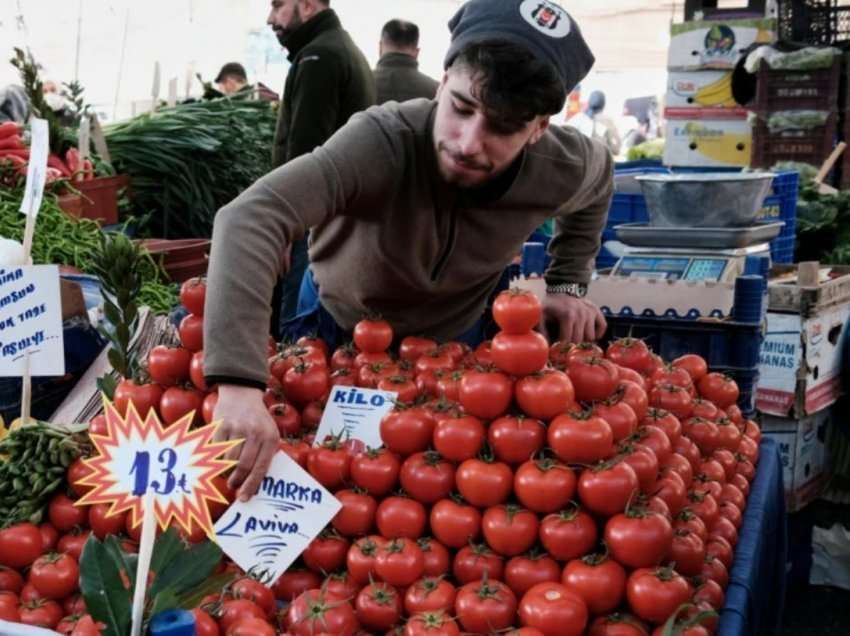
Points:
[(708, 199)]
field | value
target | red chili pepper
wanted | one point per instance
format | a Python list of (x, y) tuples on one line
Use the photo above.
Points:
[(55, 162), (88, 169), (12, 141), (72, 160), (9, 128)]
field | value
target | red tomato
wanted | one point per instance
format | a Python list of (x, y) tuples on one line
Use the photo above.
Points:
[(728, 435), (544, 486), (671, 488), (485, 394), (631, 353), (77, 471), (720, 389), (375, 471), (475, 561), (251, 627), (598, 580), (655, 594), (314, 613), (720, 549), (668, 374), (431, 624), (458, 439), (664, 420), (634, 395), (580, 438), (643, 461), (545, 395), (404, 387), (427, 477), (343, 357), (208, 407), (559, 353), (55, 575), (360, 560), (517, 311), (704, 506), (400, 562), (41, 613), (620, 624), (144, 397), (569, 534), (619, 415), (710, 592), (20, 545), (638, 539), (73, 543), (400, 517), (436, 555), (524, 572), (169, 365), (454, 523), (705, 409), (515, 440), (430, 595), (357, 515), (177, 402), (714, 570), (330, 464), (378, 607), (373, 335), (485, 606), (193, 294), (287, 418), (252, 590), (594, 379), (554, 610), (326, 553), (49, 536), (413, 347), (407, 430), (10, 613), (695, 366), (654, 438), (484, 484), (509, 530), (305, 383), (688, 552), (10, 580), (341, 585), (605, 490), (672, 398), (191, 331)]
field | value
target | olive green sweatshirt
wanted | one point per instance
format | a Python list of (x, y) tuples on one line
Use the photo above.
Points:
[(391, 237)]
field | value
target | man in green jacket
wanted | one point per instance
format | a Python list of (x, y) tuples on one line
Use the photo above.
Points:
[(416, 209), (328, 81), (397, 75)]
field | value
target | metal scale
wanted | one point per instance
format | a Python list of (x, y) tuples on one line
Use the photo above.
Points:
[(691, 254)]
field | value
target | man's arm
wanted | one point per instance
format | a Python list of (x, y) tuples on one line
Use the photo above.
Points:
[(574, 246), (315, 102)]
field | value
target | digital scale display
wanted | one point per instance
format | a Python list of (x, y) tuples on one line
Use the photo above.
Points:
[(672, 267)]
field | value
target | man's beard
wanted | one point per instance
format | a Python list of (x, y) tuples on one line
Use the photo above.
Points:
[(283, 34)]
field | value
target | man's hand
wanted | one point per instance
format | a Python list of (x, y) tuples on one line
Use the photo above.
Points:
[(579, 320), (243, 415)]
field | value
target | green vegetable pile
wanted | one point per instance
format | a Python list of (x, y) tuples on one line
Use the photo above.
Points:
[(823, 226), (36, 458), (652, 149), (187, 161), (62, 240)]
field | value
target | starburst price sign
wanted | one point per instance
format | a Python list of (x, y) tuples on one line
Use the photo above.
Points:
[(177, 465)]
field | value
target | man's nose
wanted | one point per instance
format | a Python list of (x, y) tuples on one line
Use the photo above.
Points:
[(471, 139)]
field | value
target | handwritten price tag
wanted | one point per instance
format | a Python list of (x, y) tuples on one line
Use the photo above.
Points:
[(270, 530), (177, 465), (355, 413), (31, 322)]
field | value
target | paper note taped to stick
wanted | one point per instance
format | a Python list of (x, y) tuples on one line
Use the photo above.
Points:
[(353, 413), (37, 168), (270, 530), (31, 321)]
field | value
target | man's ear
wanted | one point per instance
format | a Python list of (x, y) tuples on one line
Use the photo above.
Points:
[(539, 128)]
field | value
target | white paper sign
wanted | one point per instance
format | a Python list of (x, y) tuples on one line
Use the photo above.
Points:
[(355, 413), (31, 321), (84, 138), (172, 91), (272, 529), (37, 169)]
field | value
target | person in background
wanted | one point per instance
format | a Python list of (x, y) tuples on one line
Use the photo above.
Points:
[(593, 123), (233, 79), (328, 81), (14, 104), (397, 75), (416, 208)]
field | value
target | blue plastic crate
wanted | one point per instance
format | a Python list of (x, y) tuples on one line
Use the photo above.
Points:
[(782, 249)]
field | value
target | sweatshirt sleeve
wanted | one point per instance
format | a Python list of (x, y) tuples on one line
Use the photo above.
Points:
[(252, 233), (315, 102), (578, 228)]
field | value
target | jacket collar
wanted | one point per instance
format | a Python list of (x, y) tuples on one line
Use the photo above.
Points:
[(326, 20), (398, 60)]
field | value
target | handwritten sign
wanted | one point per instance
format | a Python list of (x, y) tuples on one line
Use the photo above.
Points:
[(355, 413), (37, 168), (138, 456), (31, 321), (270, 530)]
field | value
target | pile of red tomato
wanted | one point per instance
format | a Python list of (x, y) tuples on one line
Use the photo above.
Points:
[(522, 488)]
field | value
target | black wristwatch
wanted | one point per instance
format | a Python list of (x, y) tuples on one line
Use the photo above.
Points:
[(576, 290)]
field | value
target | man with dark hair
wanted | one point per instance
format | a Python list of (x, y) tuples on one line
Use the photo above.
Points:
[(397, 76), (416, 210), (329, 80), (232, 78)]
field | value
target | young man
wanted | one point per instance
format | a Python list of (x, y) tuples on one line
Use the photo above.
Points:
[(397, 75), (416, 209)]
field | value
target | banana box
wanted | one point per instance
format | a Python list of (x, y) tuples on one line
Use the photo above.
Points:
[(708, 143), (701, 94), (715, 44)]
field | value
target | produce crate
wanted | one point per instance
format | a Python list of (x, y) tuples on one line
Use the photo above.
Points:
[(810, 145), (100, 197), (727, 346), (182, 258), (781, 89), (814, 21)]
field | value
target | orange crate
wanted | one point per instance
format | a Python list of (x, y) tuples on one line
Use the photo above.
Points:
[(100, 197), (182, 258)]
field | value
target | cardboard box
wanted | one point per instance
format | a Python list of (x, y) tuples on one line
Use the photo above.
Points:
[(802, 448), (801, 362), (715, 44), (701, 95), (711, 143)]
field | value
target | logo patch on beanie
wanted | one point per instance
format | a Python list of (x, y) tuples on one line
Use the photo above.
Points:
[(547, 17)]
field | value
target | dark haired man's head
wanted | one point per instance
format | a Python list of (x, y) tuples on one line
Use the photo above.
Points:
[(286, 16), (596, 103), (231, 78), (400, 36)]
